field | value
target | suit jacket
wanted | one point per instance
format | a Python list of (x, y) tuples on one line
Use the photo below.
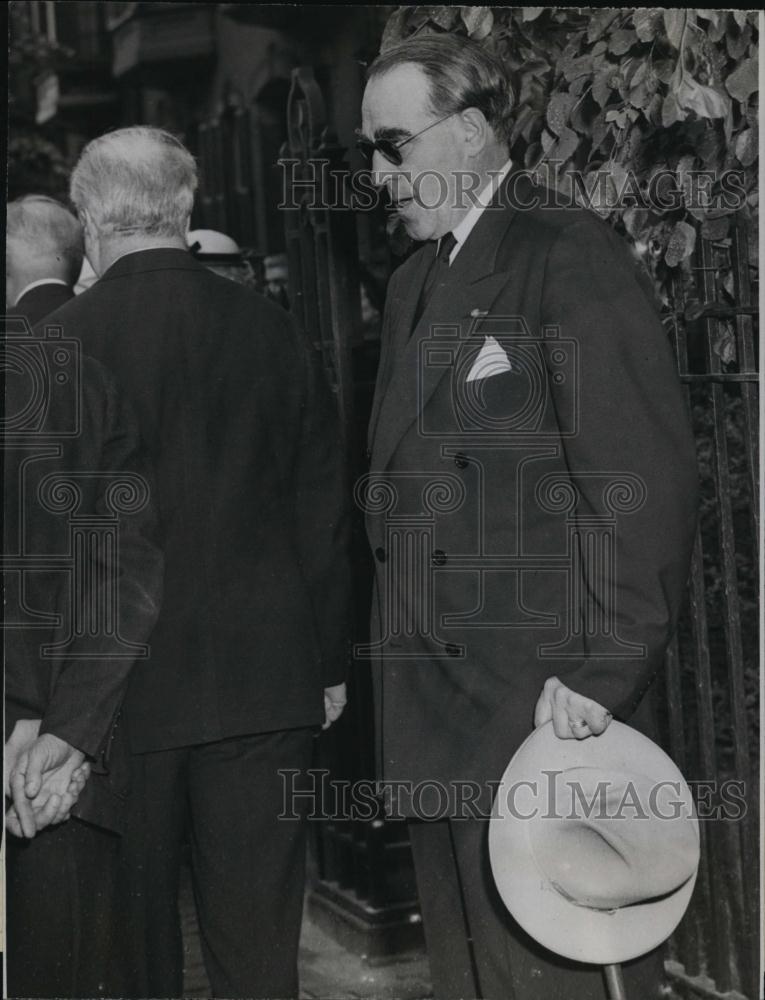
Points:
[(531, 522), (244, 437), (72, 452), (41, 301)]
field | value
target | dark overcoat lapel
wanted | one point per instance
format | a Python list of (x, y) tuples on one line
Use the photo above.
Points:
[(399, 316)]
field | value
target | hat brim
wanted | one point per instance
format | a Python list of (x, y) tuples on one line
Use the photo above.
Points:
[(576, 932)]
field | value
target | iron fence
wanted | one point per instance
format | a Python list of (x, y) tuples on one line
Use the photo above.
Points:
[(711, 683)]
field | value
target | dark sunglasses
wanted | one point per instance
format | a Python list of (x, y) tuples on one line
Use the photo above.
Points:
[(390, 149)]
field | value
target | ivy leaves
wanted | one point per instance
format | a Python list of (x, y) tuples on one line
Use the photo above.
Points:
[(743, 81), (478, 21), (627, 100), (681, 243), (747, 146), (688, 95)]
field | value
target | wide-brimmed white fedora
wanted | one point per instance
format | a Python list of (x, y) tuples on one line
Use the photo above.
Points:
[(594, 843), (209, 244)]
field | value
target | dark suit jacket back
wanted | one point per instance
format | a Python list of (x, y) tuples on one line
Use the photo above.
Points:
[(242, 429), (41, 301)]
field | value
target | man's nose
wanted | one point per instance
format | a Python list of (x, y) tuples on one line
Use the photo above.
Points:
[(381, 169), (386, 174)]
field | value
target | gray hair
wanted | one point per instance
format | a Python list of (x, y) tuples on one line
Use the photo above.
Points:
[(137, 180), (461, 73), (47, 230)]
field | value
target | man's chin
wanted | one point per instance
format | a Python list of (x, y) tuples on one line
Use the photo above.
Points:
[(416, 229)]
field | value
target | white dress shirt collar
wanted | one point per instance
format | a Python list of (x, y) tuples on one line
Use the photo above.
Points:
[(463, 229)]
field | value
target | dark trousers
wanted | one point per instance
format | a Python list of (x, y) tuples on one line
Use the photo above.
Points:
[(248, 866), (475, 948), (61, 912)]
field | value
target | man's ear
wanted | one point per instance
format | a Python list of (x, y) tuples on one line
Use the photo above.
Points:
[(476, 130), (86, 222), (92, 238)]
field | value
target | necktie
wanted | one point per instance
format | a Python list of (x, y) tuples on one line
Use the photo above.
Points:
[(436, 273)]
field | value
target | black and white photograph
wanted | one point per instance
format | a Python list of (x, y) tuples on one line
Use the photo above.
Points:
[(382, 503)]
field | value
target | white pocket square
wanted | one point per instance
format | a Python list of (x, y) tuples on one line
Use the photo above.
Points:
[(491, 360)]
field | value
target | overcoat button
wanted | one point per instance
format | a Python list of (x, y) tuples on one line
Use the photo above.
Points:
[(438, 557), (380, 553)]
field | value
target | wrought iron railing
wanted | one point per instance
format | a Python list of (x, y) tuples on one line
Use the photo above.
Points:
[(712, 678), (365, 868), (240, 183)]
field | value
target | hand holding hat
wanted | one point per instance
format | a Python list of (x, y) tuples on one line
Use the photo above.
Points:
[(573, 715)]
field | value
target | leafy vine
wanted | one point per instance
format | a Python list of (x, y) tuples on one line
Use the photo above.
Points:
[(649, 117)]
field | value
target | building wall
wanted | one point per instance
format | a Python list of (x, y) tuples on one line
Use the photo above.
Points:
[(249, 57)]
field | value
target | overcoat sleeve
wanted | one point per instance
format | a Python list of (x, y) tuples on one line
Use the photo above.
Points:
[(633, 419), (322, 514), (87, 690)]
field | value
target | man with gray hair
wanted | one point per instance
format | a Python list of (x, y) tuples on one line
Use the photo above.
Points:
[(43, 256), (248, 656)]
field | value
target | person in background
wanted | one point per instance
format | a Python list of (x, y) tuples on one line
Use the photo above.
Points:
[(276, 279), (43, 255), (71, 437), (249, 654)]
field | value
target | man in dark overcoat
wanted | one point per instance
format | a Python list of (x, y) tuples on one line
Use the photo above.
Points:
[(83, 584), (531, 504), (248, 656)]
